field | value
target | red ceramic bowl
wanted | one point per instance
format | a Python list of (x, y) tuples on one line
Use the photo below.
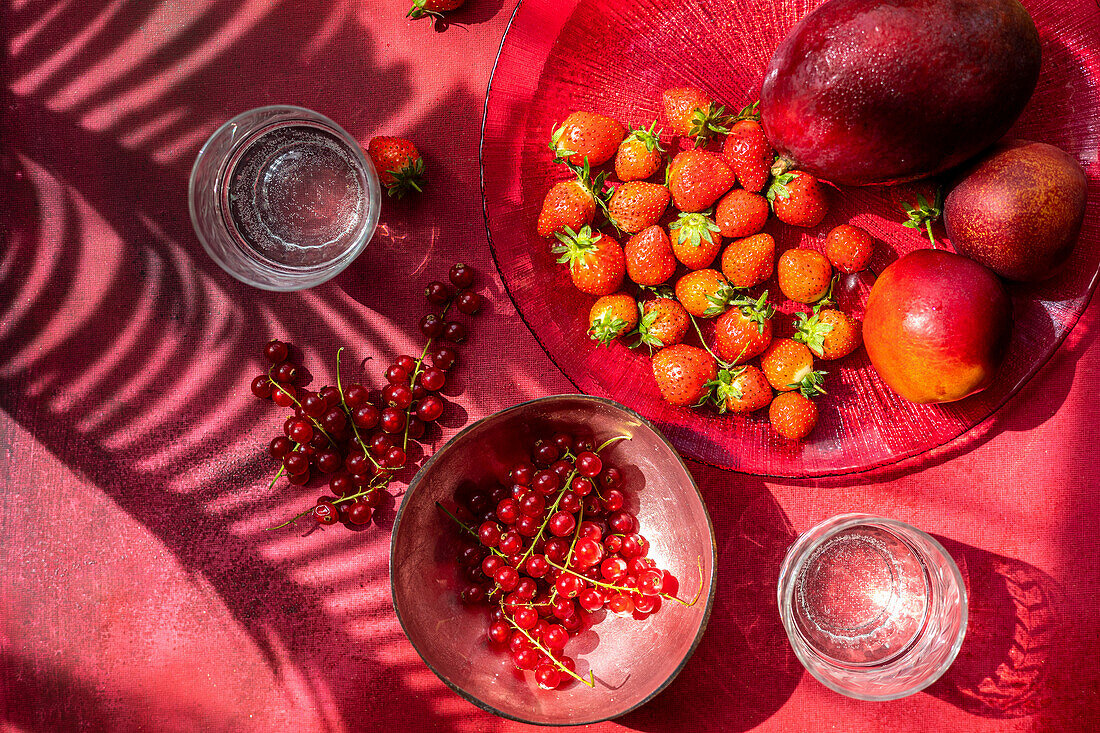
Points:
[(632, 659), (616, 57)]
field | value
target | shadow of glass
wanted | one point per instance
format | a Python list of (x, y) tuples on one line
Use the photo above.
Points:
[(1010, 659)]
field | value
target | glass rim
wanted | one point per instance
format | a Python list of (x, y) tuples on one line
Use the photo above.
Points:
[(330, 269), (802, 549)]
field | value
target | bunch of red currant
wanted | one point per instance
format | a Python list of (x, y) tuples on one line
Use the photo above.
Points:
[(356, 436), (548, 546)]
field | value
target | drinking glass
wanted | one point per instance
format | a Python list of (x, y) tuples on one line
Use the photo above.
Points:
[(283, 198), (874, 608)]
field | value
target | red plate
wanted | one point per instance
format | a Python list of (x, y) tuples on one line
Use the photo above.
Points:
[(615, 57)]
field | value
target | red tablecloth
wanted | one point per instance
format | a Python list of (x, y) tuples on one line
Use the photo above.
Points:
[(139, 590)]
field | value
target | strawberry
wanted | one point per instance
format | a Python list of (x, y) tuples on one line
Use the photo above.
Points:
[(922, 203), (704, 293), (611, 317), (569, 204), (741, 390), (682, 373), (741, 213), (692, 113), (749, 153), (434, 8), (798, 199), (663, 322), (649, 257), (789, 365), (793, 415), (695, 240), (804, 275), (828, 333), (745, 330), (586, 136), (697, 178), (636, 205), (596, 261), (399, 164), (849, 248), (749, 261), (639, 154)]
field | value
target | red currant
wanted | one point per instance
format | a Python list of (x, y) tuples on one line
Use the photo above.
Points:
[(330, 395), (462, 276), (296, 463), (555, 637), (570, 502), (507, 511), (526, 658), (437, 292), (397, 395), (359, 512), (587, 552), (611, 478), (613, 500), (499, 632), (521, 473), (299, 479), (546, 482), (621, 522), (431, 326), (556, 549), (341, 485), (510, 543), (328, 461), (613, 568), (366, 416), (547, 676), (491, 564), (650, 582), (358, 464), (284, 395), (261, 387), (569, 586), (590, 599), (416, 428), (620, 604), (525, 617), (396, 374), (647, 604), (444, 357), (334, 420), (355, 396), (455, 332), (393, 420), (430, 408), (561, 524), (536, 566), (506, 577), (433, 378), (527, 526), (394, 458), (279, 446), (489, 534), (325, 512), (468, 302), (526, 588), (406, 362), (301, 431), (472, 595), (285, 373), (589, 464), (276, 351), (545, 454)]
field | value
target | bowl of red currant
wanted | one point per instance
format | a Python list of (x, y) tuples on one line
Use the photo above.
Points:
[(554, 562)]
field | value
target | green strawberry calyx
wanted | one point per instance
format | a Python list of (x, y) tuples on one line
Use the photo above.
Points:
[(407, 178), (691, 228), (708, 121), (758, 311), (778, 188), (644, 330), (606, 327), (650, 137), (922, 214), (811, 385), (557, 147), (575, 247), (418, 11), (725, 386), (811, 331), (721, 300)]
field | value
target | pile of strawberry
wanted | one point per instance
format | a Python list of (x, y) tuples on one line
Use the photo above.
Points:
[(723, 185)]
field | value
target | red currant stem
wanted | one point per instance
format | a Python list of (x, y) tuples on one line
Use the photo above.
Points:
[(628, 591), (615, 439), (549, 655), (290, 521), (569, 555), (549, 513), (299, 406), (470, 530), (277, 475), (362, 492), (354, 428), (415, 374)]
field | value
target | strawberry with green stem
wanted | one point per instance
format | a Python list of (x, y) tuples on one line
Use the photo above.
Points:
[(612, 316), (828, 333), (399, 164), (571, 203), (705, 293), (432, 8), (662, 322), (696, 240), (596, 261), (640, 153), (922, 214), (586, 136), (788, 365), (745, 330)]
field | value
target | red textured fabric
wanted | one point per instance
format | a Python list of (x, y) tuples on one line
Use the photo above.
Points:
[(139, 590)]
